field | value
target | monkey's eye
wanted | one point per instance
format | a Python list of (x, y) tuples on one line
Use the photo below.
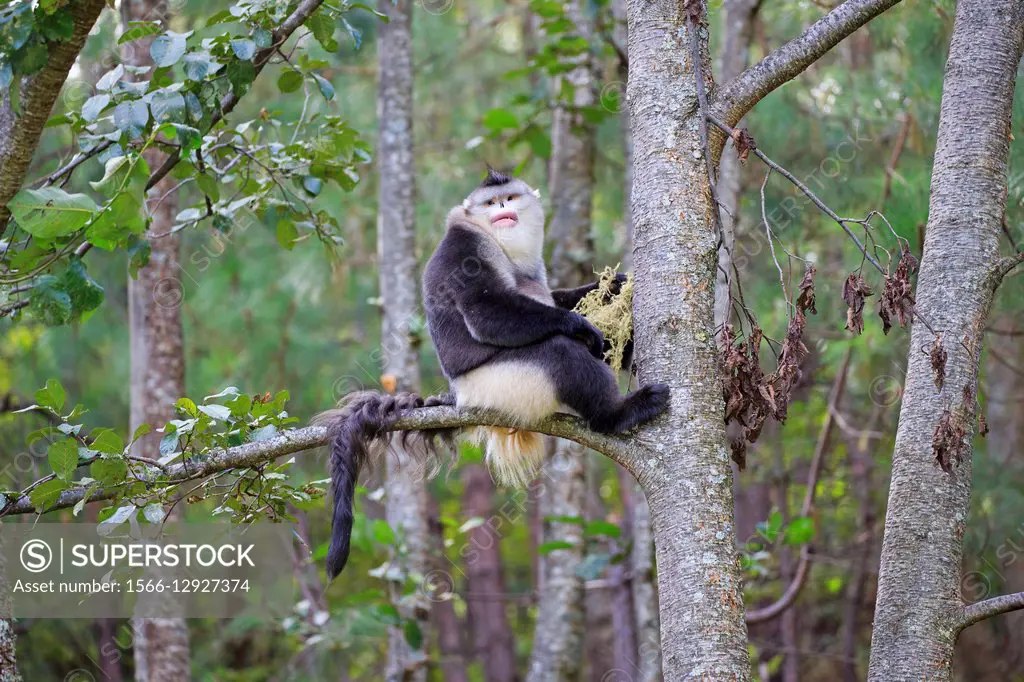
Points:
[(513, 197), (490, 202)]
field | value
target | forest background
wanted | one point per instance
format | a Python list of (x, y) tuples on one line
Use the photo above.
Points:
[(272, 308)]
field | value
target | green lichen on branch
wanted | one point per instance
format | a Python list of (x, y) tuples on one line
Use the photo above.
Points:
[(609, 307)]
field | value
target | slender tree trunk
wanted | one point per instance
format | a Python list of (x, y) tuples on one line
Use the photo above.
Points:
[(625, 650), (687, 475), (493, 638), (599, 633), (738, 20), (860, 468), (407, 497), (8, 637), (919, 609), (446, 622), (157, 366), (558, 637)]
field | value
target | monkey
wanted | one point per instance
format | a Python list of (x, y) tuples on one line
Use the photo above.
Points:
[(505, 342)]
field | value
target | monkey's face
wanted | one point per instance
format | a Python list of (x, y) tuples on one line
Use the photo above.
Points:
[(512, 214)]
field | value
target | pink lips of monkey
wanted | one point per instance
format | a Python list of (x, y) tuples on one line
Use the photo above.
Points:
[(505, 219)]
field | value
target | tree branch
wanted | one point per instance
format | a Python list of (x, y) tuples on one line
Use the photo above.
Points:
[(279, 37), (20, 131), (995, 606), (788, 597), (739, 95), (618, 448)]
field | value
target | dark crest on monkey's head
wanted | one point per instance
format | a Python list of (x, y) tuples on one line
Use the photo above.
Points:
[(495, 178)]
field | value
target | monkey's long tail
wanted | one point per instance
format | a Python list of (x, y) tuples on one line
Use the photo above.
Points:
[(361, 421)]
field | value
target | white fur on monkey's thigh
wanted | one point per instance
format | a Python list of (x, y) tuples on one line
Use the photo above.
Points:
[(523, 391)]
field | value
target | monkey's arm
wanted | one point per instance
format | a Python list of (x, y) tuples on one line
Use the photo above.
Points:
[(569, 298), (509, 319)]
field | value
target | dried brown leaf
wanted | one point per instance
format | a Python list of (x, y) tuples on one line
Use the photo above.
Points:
[(855, 290), (805, 300), (897, 299), (744, 143), (947, 442), (739, 453), (938, 357)]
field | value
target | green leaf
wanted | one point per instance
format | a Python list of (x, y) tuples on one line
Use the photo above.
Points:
[(109, 471), (287, 233), (208, 186), (387, 614), (312, 185), (52, 395), (289, 81), (51, 212), (47, 493), (800, 531), (326, 89), (243, 48), (602, 528), (120, 515), (167, 105), (167, 49), (199, 65), (140, 431), (139, 252), (107, 441), (154, 513), (549, 547), (94, 106), (49, 303), (382, 532), (139, 29), (241, 75), (500, 119), (413, 634), (63, 458), (215, 411), (85, 292), (131, 117), (108, 80), (169, 443)]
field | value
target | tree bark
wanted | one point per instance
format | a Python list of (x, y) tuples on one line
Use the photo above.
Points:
[(646, 656), (8, 637), (20, 130), (493, 638), (157, 366), (687, 475), (407, 498), (919, 611), (558, 637)]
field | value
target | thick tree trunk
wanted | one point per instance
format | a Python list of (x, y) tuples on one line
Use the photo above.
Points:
[(157, 367), (407, 498), (687, 475), (20, 130), (493, 638), (919, 610)]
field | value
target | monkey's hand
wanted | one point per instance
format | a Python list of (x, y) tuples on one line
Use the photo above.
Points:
[(588, 334)]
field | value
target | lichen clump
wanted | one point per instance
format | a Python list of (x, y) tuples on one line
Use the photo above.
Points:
[(609, 307)]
